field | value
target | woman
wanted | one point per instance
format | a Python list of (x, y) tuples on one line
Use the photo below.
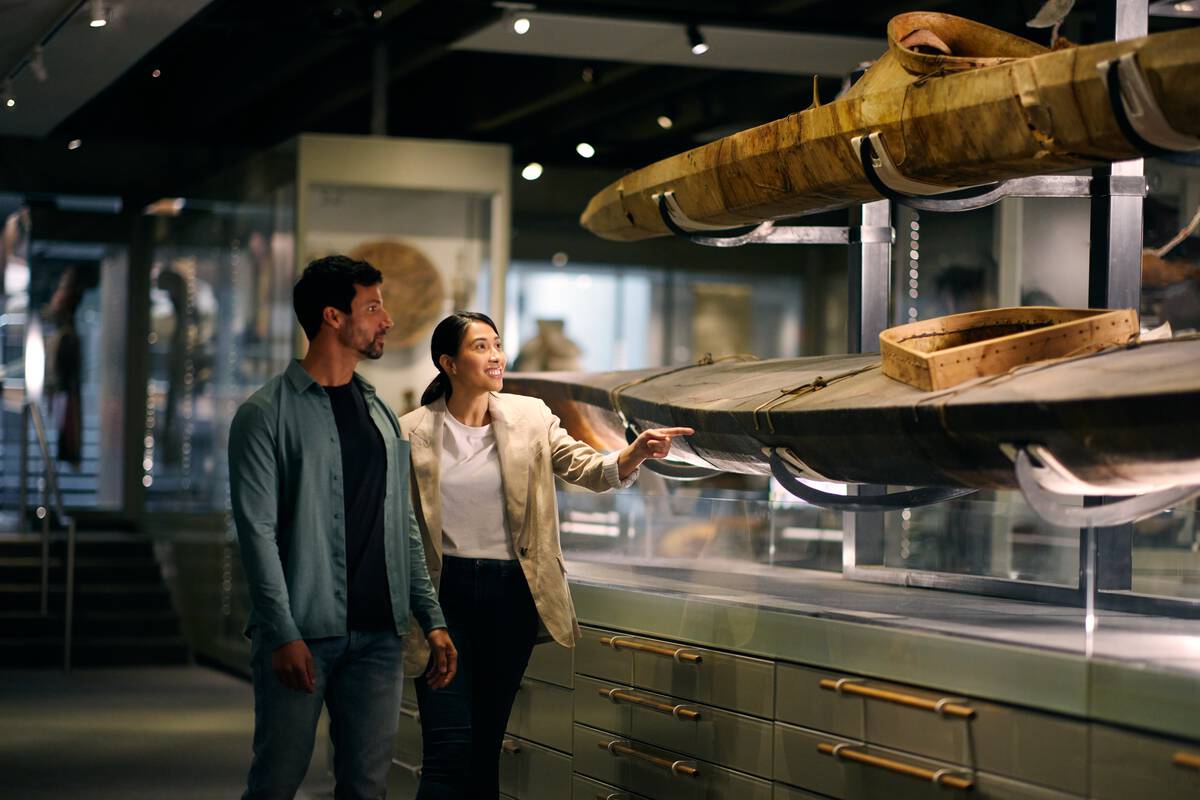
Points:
[(484, 464)]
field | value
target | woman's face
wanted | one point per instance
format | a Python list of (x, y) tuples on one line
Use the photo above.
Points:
[(479, 365)]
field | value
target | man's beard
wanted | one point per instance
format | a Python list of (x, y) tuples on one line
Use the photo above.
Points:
[(373, 351)]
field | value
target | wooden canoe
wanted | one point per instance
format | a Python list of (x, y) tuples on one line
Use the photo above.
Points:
[(998, 107), (1123, 419)]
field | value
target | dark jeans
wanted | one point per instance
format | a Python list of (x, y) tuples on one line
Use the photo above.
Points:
[(493, 623), (358, 680)]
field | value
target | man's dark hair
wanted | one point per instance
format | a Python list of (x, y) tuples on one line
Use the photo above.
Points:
[(329, 281)]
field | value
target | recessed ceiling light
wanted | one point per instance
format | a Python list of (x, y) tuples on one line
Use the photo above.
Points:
[(1186, 8), (584, 149), (665, 122), (532, 171), (10, 102), (377, 13), (156, 73), (98, 14), (521, 25), (74, 144)]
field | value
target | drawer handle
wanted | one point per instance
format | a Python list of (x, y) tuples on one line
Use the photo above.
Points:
[(510, 746), (411, 713), (623, 696), (619, 748), (946, 706), (1187, 760), (680, 654), (942, 777), (411, 769)]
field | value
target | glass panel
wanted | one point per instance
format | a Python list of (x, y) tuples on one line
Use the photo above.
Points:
[(433, 248), (1166, 554), (989, 534), (65, 261), (220, 326)]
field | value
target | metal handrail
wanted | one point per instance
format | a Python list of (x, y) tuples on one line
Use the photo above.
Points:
[(51, 491)]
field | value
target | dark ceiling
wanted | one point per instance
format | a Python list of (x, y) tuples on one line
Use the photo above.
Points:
[(243, 75)]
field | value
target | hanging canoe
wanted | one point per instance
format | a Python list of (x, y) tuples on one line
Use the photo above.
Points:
[(955, 104), (1124, 419)]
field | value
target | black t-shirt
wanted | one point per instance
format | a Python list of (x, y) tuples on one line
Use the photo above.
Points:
[(364, 487)]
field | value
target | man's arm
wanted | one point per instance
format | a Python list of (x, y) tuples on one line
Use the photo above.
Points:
[(253, 480), (422, 598)]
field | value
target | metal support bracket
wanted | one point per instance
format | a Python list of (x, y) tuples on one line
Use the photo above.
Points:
[(1139, 116), (895, 501), (1053, 508), (764, 233), (888, 181)]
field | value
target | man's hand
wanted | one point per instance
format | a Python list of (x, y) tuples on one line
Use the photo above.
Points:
[(293, 665), (650, 443), (443, 659)]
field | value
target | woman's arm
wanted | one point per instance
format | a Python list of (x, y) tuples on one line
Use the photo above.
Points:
[(578, 463)]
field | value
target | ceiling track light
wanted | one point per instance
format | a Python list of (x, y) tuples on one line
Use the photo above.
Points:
[(696, 40), (6, 95), (98, 13), (37, 65)]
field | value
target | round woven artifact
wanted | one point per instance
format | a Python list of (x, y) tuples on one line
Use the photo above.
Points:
[(412, 288)]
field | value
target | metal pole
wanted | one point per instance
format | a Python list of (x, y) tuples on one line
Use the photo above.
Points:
[(69, 598), (1114, 281), (869, 286), (23, 472), (379, 87), (44, 513)]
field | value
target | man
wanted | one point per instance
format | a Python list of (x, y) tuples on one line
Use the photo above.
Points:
[(331, 549)]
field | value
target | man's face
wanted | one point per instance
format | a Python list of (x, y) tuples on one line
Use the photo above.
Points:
[(367, 323)]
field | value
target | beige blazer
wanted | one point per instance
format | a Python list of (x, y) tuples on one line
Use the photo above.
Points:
[(533, 448)]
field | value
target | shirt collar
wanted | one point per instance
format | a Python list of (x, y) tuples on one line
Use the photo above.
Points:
[(301, 381)]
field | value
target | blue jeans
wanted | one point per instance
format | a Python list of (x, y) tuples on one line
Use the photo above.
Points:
[(358, 677), (493, 622)]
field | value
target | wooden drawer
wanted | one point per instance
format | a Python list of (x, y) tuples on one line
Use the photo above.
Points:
[(587, 789), (552, 663), (785, 792), (721, 737), (529, 771), (594, 658), (801, 763), (541, 713), (659, 774), (739, 683), (1017, 743), (1127, 764)]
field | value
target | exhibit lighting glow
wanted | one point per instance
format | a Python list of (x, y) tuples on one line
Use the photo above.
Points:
[(377, 13), (1185, 8), (10, 102), (37, 65), (98, 14), (156, 73), (532, 171), (521, 26), (699, 46), (665, 122), (74, 144), (35, 359), (584, 149)]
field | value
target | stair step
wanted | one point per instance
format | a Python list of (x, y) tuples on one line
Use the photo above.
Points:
[(90, 624), (94, 652)]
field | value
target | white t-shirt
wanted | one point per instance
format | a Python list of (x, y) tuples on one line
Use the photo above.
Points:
[(473, 524)]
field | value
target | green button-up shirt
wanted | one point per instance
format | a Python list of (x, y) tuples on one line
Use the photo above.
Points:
[(285, 472)]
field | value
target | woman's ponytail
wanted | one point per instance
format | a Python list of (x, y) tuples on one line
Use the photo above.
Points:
[(438, 388)]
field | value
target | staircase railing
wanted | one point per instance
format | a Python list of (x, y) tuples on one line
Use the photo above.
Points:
[(51, 493)]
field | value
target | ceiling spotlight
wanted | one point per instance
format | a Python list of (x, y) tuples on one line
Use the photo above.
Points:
[(521, 25), (157, 73), (377, 13), (665, 122), (37, 65), (699, 46), (7, 96), (98, 14), (588, 74), (74, 144), (584, 149), (532, 171), (1185, 8)]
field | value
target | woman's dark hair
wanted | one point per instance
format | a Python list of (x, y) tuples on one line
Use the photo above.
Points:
[(447, 341), (329, 281)]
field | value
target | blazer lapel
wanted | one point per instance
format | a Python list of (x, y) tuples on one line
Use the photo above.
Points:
[(426, 458), (512, 446)]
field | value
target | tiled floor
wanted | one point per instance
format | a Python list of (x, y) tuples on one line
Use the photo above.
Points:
[(182, 733)]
